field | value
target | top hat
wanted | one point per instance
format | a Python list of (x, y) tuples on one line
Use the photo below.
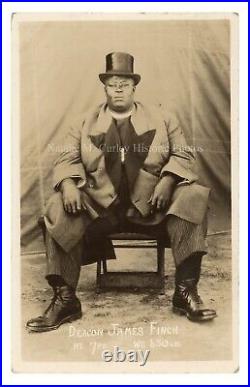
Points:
[(120, 63)]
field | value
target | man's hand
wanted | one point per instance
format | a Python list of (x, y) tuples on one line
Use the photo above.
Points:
[(161, 197), (71, 196)]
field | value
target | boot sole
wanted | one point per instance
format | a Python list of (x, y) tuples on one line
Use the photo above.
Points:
[(71, 318), (183, 312)]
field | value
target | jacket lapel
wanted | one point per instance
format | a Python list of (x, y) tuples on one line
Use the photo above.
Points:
[(102, 122)]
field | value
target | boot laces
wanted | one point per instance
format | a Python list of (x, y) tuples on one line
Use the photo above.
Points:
[(191, 294), (55, 300), (194, 294)]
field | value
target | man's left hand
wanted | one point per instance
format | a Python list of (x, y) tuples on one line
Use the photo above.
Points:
[(161, 197)]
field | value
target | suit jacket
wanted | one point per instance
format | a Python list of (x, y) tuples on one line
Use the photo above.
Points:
[(157, 146)]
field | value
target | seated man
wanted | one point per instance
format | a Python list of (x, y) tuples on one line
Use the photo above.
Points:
[(124, 167)]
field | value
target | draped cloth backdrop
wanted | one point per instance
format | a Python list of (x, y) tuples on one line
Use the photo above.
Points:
[(184, 65)]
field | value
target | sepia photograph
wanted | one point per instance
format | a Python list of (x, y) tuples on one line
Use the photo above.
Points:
[(127, 248)]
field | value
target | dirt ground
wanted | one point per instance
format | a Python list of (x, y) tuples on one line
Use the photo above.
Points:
[(133, 320)]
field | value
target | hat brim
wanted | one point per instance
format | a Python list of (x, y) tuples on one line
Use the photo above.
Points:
[(104, 76)]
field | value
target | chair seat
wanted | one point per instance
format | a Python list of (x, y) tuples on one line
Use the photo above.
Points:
[(132, 240), (132, 236)]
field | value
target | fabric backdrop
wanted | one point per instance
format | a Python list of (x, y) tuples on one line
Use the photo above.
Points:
[(184, 65)]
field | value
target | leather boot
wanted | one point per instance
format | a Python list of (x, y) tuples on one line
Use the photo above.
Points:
[(186, 301), (64, 307)]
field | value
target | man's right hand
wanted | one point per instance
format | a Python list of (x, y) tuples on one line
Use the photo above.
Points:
[(71, 196)]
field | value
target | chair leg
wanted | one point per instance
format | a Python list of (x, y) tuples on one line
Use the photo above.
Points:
[(104, 266), (98, 276), (161, 265)]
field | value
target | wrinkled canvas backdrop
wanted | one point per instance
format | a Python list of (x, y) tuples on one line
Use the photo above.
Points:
[(184, 65)]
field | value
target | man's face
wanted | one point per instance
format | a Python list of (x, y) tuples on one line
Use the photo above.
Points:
[(120, 93)]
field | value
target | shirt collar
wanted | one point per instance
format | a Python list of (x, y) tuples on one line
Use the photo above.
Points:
[(120, 116)]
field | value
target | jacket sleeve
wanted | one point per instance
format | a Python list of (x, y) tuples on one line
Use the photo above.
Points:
[(182, 158), (69, 163)]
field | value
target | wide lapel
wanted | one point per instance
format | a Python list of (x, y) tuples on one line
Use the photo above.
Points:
[(103, 135), (141, 119), (102, 122)]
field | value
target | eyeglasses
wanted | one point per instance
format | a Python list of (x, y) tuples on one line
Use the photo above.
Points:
[(121, 85)]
